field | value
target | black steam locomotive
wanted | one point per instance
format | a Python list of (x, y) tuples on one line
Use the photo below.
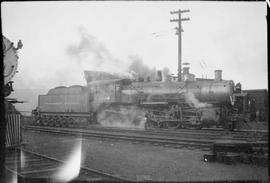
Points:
[(118, 100)]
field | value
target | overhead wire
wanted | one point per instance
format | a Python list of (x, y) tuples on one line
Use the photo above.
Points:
[(162, 32)]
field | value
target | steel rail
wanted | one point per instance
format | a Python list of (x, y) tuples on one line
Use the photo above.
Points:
[(183, 135), (127, 137), (181, 131)]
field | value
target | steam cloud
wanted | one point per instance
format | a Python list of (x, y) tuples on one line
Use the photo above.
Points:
[(208, 112), (117, 116), (131, 117), (194, 102)]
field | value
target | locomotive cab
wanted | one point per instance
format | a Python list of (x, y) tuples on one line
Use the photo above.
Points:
[(240, 108)]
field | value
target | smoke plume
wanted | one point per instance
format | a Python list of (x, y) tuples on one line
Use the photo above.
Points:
[(91, 54), (141, 70), (137, 66)]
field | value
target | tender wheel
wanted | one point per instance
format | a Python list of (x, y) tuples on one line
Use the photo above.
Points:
[(70, 123)]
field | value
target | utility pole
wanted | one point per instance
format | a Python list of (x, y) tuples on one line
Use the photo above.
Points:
[(179, 33)]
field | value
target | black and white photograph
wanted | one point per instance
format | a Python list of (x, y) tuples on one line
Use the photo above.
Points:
[(134, 91)]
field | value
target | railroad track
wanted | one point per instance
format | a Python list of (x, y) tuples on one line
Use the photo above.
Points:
[(181, 133), (240, 134), (28, 165), (201, 140), (204, 133)]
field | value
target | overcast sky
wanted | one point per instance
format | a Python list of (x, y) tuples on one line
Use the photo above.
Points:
[(61, 39)]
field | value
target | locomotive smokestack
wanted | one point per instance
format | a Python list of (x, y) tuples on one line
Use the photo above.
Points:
[(218, 75), (159, 75), (185, 70)]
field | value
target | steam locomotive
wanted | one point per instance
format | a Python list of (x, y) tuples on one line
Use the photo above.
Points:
[(110, 99)]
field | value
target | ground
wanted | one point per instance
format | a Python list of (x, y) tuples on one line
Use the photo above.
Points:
[(142, 161)]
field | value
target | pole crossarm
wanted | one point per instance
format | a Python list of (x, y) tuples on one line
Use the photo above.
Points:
[(174, 12), (185, 19), (184, 11), (174, 20)]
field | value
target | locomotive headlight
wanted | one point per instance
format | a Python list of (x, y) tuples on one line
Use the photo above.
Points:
[(108, 98)]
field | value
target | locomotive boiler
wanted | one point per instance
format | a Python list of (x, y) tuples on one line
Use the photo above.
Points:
[(110, 98), (165, 104)]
